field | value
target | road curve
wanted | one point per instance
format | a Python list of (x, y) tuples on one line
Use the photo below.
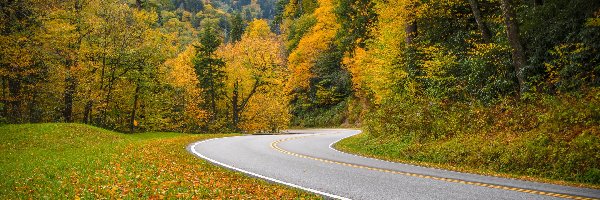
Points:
[(306, 160)]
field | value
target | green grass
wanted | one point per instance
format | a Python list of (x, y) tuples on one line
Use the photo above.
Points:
[(50, 161)]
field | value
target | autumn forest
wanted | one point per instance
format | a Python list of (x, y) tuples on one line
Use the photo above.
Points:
[(504, 85)]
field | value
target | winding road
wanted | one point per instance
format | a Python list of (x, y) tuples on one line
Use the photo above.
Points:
[(305, 160)]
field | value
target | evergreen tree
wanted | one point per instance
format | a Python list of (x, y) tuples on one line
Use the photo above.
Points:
[(209, 69), (237, 28)]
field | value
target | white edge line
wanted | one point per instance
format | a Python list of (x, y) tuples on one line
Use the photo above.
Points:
[(401, 163), (333, 143), (192, 148), (408, 164)]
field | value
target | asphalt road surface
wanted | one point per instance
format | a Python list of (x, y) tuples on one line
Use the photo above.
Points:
[(306, 160)]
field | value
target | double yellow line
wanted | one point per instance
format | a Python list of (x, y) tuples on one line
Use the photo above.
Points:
[(552, 194)]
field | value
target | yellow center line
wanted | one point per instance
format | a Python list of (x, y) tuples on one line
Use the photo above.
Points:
[(523, 190)]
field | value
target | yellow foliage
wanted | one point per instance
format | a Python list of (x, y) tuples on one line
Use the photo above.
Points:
[(437, 61), (594, 21), (258, 29), (258, 59), (310, 47), (180, 74), (562, 58), (375, 69), (268, 112)]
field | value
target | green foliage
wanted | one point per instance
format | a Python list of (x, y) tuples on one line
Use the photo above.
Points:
[(332, 116), (237, 28), (209, 42), (296, 8), (356, 19), (297, 30), (562, 49), (489, 75), (325, 101)]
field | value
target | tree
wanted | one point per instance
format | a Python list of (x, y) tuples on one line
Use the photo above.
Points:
[(318, 40), (411, 22), (149, 50), (71, 52), (237, 28), (184, 109), (481, 25), (209, 69), (255, 80), (377, 68), (512, 32)]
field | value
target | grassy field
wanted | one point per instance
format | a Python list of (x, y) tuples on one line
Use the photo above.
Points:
[(50, 161)]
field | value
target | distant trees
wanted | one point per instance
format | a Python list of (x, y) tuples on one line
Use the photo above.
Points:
[(124, 65)]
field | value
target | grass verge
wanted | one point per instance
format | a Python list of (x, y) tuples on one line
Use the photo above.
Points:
[(49, 161), (428, 155)]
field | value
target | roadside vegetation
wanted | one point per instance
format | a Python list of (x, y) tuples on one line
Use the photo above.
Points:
[(47, 161), (554, 140)]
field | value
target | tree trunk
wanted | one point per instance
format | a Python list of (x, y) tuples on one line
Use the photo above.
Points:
[(4, 98), (108, 97), (411, 32), (138, 4), (411, 24), (213, 102), (14, 88), (234, 102), (34, 114), (135, 103), (70, 63), (87, 112), (238, 107), (483, 28), (512, 31), (68, 97)]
